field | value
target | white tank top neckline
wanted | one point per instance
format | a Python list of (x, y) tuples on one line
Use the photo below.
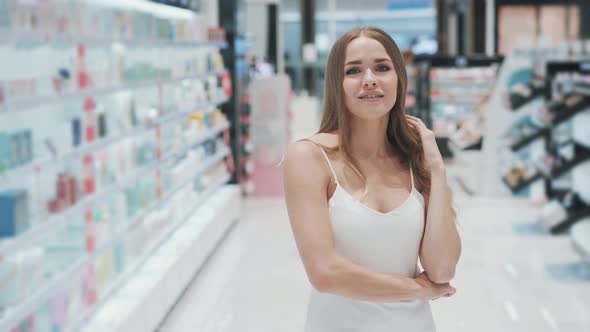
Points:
[(346, 195)]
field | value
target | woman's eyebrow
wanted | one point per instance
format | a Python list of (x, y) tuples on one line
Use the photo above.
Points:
[(354, 62), (358, 62), (382, 60)]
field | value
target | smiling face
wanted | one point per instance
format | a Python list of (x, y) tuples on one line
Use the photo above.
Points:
[(370, 80)]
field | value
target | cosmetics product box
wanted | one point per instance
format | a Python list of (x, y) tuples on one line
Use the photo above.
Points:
[(14, 216), (102, 125), (14, 150), (5, 154), (76, 132), (9, 274), (27, 145)]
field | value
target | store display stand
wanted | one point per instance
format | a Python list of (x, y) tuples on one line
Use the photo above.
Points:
[(123, 155), (152, 290), (501, 116)]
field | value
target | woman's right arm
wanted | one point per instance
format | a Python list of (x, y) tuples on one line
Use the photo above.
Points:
[(306, 178)]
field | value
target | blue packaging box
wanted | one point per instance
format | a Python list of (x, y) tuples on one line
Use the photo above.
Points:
[(14, 217), (5, 155)]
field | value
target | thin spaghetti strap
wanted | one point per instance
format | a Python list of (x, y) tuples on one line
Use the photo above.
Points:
[(329, 164), (411, 175)]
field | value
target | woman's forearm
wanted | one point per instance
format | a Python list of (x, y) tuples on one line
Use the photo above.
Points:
[(345, 278), (441, 245)]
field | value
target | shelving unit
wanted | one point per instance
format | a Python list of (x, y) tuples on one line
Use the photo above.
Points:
[(169, 268), (456, 85), (90, 40), (517, 102), (55, 222), (564, 100), (162, 238), (129, 187), (27, 103), (529, 139), (524, 184), (95, 146)]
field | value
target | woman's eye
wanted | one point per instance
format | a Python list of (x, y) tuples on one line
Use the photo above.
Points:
[(382, 68), (352, 71)]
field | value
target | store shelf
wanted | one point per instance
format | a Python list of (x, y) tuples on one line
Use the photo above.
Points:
[(523, 184), (131, 271), (57, 221), (573, 217), (26, 170), (565, 114), (25, 103), (529, 139), (7, 35), (18, 313), (170, 269), (517, 102), (11, 317), (212, 161), (583, 157)]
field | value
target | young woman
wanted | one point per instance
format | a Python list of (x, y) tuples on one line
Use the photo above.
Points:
[(367, 196)]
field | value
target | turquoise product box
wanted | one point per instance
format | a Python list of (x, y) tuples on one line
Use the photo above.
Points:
[(15, 158), (5, 155), (27, 137), (14, 218)]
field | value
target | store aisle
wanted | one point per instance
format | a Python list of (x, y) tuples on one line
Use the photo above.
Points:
[(510, 278)]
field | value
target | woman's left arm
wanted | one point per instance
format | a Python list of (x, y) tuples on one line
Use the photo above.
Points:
[(441, 244)]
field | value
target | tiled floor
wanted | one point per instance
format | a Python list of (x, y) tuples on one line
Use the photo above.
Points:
[(511, 277)]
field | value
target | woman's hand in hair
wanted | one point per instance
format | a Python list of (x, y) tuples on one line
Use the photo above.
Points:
[(433, 159)]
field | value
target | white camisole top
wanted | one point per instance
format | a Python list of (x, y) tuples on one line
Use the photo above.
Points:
[(381, 242)]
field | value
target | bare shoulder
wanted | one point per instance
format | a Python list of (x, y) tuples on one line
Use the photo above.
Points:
[(301, 153), (329, 140), (305, 159)]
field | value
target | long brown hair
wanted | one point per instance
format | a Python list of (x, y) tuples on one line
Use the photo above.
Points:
[(405, 141)]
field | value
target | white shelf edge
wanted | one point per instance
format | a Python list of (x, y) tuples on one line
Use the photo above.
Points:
[(102, 143), (7, 34), (57, 221), (20, 312), (121, 279), (27, 103), (212, 161), (13, 316)]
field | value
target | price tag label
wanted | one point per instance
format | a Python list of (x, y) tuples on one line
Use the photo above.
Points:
[(92, 294), (158, 133), (90, 230), (226, 84), (160, 187), (88, 173), (89, 119)]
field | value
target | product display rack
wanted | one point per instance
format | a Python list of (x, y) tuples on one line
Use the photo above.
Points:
[(455, 86), (159, 282), (128, 273), (566, 96), (530, 92), (26, 103), (565, 113), (529, 139), (114, 221), (63, 219), (90, 40), (99, 144)]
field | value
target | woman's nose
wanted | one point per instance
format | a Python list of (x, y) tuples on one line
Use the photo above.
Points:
[(369, 80)]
